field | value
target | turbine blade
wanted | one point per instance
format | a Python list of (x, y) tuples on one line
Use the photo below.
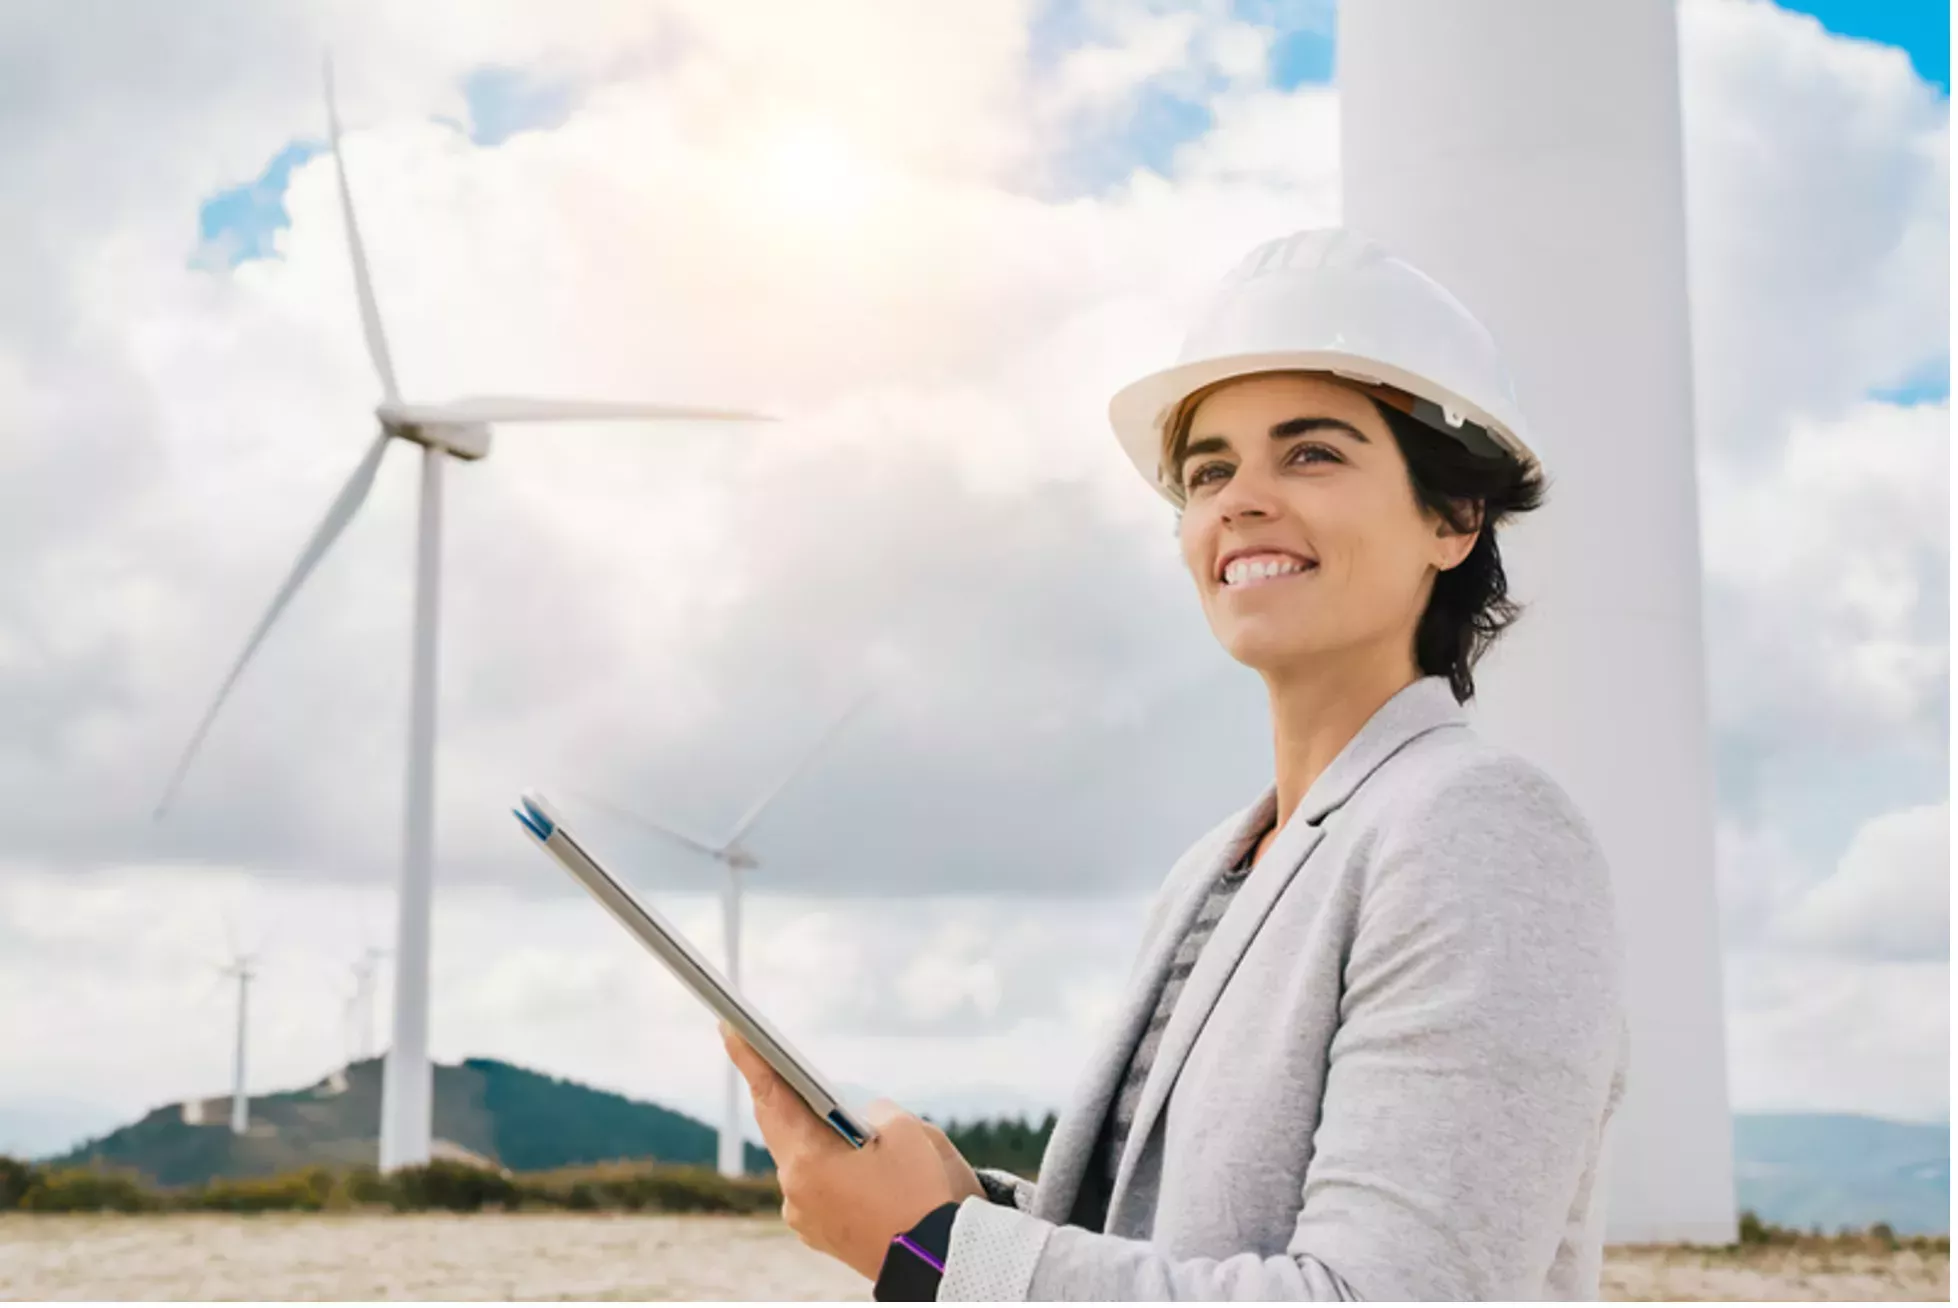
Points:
[(753, 815), (618, 810), (343, 508), (517, 408), (370, 312)]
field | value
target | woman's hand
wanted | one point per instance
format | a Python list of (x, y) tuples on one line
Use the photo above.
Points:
[(841, 1200)]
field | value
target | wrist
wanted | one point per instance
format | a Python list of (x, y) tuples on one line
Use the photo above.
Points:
[(915, 1261)]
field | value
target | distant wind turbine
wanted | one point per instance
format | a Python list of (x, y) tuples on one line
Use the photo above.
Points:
[(459, 429), (732, 855), (241, 968), (360, 1005)]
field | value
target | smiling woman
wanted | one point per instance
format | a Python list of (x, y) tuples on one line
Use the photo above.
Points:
[(1375, 1033), (1400, 518)]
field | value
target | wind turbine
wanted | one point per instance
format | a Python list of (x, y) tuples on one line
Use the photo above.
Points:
[(732, 855), (360, 1005), (241, 968), (458, 429)]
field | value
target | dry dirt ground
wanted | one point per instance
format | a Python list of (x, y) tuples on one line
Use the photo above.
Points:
[(607, 1256)]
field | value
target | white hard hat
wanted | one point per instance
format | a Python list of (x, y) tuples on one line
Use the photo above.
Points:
[(1331, 300)]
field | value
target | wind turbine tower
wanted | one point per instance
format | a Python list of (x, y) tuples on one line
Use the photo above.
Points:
[(458, 429), (731, 855), (364, 969), (360, 1005), (241, 968), (1527, 154)]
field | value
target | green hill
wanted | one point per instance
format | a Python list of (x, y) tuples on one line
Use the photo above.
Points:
[(520, 1119), (1800, 1171)]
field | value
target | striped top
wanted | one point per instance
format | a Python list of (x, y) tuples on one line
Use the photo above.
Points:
[(1091, 1208)]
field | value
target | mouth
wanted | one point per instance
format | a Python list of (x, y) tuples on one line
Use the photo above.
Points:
[(1246, 568)]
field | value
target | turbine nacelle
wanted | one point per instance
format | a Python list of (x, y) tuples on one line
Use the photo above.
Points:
[(465, 440)]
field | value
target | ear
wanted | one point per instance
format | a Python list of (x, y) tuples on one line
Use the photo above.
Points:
[(1452, 544)]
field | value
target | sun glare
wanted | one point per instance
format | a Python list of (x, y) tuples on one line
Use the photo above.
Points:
[(813, 170)]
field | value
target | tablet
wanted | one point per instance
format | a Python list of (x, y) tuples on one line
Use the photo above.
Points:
[(684, 961)]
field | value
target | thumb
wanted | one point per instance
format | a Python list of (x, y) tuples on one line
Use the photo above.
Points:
[(947, 1151), (757, 1073)]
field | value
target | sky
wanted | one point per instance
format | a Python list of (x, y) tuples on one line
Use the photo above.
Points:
[(933, 246)]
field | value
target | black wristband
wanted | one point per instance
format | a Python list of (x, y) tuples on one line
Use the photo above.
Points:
[(915, 1262)]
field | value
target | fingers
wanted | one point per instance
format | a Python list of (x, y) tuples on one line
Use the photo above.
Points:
[(752, 1066), (785, 1121)]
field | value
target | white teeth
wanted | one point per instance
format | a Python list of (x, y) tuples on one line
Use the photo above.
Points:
[(1240, 571)]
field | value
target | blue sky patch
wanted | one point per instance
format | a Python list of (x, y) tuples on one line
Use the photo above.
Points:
[(505, 101), (1147, 136), (1922, 28), (1056, 27), (244, 222), (1150, 131), (1302, 58), (1928, 385)]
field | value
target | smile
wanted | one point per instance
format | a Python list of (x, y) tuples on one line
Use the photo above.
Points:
[(1256, 569)]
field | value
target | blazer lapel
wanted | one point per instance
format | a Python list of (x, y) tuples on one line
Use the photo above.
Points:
[(1416, 710), (1070, 1151), (1220, 956)]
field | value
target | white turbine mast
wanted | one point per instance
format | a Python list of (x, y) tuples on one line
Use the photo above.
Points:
[(242, 968), (364, 969), (357, 1015), (1527, 154), (458, 429), (735, 857)]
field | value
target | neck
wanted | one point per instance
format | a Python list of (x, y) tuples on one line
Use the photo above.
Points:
[(1317, 709)]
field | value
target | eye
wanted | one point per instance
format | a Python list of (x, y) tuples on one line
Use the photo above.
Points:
[(1201, 474), (1312, 452)]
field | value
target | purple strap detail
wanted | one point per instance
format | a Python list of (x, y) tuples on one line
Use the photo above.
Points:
[(930, 1261)]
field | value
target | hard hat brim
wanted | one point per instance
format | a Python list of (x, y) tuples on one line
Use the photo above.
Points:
[(1139, 410)]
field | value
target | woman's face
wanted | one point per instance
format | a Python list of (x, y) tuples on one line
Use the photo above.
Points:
[(1301, 528)]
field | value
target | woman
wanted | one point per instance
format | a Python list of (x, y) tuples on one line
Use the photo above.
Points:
[(1375, 1034)]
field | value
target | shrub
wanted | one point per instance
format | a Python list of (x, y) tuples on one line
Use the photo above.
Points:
[(366, 1185), (689, 1190), (15, 1177), (1755, 1231), (650, 1187), (457, 1187), (308, 1190), (82, 1190)]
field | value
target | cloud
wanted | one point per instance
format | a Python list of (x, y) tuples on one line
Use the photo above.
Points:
[(1760, 876), (1890, 897), (1818, 219), (1832, 1035), (1827, 575)]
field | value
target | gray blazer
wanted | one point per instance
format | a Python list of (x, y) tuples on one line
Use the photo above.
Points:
[(1390, 1073)]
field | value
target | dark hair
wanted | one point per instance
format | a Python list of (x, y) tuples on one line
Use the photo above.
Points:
[(1470, 605)]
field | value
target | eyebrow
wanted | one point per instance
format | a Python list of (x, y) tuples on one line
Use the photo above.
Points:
[(1283, 431)]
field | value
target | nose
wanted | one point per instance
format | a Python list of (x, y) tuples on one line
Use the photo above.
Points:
[(1246, 496)]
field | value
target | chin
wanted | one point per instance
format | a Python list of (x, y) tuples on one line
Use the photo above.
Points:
[(1268, 646)]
